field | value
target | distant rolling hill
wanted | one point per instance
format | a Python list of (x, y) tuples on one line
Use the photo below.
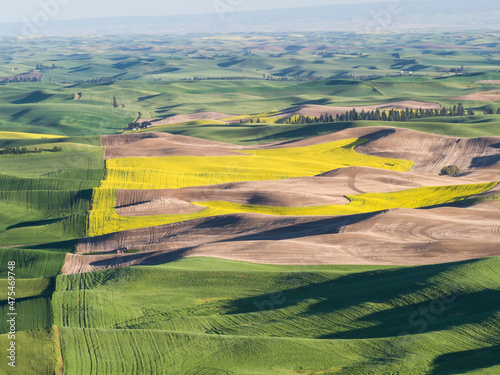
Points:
[(405, 15)]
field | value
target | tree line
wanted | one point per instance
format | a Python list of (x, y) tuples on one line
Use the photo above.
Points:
[(392, 115), (24, 150)]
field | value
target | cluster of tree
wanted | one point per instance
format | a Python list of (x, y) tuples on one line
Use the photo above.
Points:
[(377, 115), (20, 78), (460, 70), (42, 68), (139, 125), (94, 80), (302, 119), (257, 121), (24, 150), (295, 78), (488, 110)]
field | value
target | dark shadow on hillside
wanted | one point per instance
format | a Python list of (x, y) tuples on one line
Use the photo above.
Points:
[(484, 161), (229, 63), (461, 75), (37, 223), (435, 314), (142, 259), (306, 131), (355, 289), (323, 101), (466, 361), (61, 246), (143, 98), (335, 82), (33, 97), (19, 114), (313, 228)]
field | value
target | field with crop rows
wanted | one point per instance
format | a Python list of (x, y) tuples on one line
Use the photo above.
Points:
[(217, 316)]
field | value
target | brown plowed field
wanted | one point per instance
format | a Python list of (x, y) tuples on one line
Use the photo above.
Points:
[(487, 96), (398, 236)]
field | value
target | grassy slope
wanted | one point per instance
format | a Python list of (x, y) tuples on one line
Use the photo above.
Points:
[(248, 134), (45, 197), (50, 108), (37, 342), (213, 316)]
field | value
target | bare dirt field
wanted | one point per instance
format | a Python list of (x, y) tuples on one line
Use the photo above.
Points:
[(398, 236), (192, 117), (487, 96), (327, 188)]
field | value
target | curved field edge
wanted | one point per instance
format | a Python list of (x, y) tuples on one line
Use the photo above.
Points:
[(184, 171), (203, 315), (103, 218), (369, 202)]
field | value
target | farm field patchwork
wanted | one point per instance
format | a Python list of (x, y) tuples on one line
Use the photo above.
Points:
[(219, 238)]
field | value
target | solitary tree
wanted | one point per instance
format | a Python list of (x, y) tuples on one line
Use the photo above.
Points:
[(450, 170), (115, 103)]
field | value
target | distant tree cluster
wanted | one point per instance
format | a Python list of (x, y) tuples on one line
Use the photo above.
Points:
[(93, 80), (24, 150), (20, 151), (378, 115), (27, 77), (292, 78), (42, 68)]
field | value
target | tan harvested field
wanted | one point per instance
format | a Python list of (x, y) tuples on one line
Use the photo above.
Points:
[(397, 236), (192, 117), (163, 144), (487, 96), (489, 81), (400, 236)]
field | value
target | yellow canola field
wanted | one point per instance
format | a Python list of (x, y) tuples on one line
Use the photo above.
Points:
[(254, 165), (363, 203), (19, 135), (104, 219)]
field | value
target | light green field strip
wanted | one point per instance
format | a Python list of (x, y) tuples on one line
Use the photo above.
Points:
[(19, 135)]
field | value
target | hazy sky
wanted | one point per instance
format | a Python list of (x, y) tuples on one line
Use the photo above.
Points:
[(22, 10)]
